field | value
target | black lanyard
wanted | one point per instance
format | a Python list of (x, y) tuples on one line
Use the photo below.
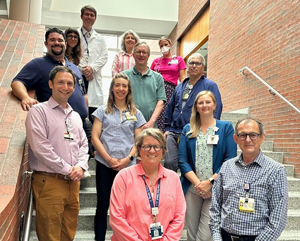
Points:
[(87, 44)]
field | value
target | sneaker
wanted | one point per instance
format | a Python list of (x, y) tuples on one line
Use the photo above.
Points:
[(86, 175)]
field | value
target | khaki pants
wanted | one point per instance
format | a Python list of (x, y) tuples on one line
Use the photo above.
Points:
[(57, 207)]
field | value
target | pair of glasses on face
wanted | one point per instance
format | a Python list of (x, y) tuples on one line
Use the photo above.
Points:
[(195, 63), (243, 136), (72, 37), (149, 147)]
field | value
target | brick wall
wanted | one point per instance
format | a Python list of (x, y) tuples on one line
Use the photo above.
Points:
[(263, 35), (19, 43)]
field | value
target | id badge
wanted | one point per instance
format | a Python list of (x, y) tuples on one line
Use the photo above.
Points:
[(156, 231), (186, 96), (213, 139), (247, 205), (130, 117), (68, 136), (174, 61)]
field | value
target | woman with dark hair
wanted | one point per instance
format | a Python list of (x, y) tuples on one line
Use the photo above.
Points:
[(147, 202), (172, 69), (73, 46), (124, 59), (204, 145), (114, 129)]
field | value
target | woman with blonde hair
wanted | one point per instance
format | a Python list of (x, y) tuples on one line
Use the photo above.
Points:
[(204, 145), (114, 129)]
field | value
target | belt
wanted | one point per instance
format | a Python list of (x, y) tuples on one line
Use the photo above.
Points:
[(234, 237), (55, 175)]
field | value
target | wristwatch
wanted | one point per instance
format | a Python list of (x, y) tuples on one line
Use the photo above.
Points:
[(131, 158), (211, 180)]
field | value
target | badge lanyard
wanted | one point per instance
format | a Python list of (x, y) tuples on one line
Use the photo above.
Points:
[(247, 189), (87, 44), (154, 209)]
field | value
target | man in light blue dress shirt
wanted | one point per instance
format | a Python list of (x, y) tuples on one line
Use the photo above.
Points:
[(250, 195)]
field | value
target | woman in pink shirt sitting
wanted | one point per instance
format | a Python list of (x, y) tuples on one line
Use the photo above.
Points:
[(124, 59), (147, 200), (172, 69)]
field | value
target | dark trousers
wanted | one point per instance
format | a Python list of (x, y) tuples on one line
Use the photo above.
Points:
[(232, 237), (88, 126), (171, 157), (91, 111), (104, 180)]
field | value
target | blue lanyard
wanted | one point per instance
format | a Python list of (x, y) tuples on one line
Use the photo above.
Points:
[(149, 193), (87, 44)]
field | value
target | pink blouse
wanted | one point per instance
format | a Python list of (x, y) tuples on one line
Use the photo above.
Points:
[(130, 213), (122, 62)]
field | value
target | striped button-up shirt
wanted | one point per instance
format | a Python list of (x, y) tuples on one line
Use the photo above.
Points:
[(122, 61), (268, 187), (47, 125)]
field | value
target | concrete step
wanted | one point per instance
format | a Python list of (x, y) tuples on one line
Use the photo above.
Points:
[(267, 146), (294, 203), (88, 197), (89, 236), (276, 156), (293, 184), (289, 235), (293, 220), (233, 117), (290, 170)]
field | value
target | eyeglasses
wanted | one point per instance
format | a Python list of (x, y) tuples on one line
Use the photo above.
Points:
[(243, 136), (195, 63), (141, 53), (72, 37), (155, 148)]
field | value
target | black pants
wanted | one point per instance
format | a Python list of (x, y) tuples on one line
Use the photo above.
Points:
[(91, 111), (231, 237), (104, 180), (88, 126)]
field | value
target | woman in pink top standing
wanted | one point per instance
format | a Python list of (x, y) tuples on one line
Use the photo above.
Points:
[(147, 201), (172, 69), (124, 59)]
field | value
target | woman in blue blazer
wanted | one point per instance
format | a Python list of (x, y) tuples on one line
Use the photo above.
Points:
[(204, 145)]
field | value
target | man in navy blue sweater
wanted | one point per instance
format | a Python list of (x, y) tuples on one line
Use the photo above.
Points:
[(179, 109)]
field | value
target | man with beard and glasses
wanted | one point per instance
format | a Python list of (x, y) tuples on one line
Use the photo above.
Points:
[(35, 76)]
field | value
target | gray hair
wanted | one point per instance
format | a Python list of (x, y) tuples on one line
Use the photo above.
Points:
[(141, 43), (156, 134), (123, 36), (197, 55), (248, 120)]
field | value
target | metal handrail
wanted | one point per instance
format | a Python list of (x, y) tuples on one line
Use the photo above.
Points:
[(270, 87), (29, 213)]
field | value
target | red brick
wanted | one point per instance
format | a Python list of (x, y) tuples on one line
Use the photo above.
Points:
[(263, 36)]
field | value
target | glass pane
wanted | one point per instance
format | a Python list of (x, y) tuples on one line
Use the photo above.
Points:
[(111, 41), (106, 70)]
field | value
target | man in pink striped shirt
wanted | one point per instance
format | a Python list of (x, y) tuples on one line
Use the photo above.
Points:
[(58, 155)]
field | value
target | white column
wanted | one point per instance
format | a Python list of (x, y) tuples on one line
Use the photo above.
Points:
[(26, 10)]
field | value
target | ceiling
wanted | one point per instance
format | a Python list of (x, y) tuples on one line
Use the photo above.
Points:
[(148, 18)]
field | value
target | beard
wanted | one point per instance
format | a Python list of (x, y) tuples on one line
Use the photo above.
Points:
[(57, 52)]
